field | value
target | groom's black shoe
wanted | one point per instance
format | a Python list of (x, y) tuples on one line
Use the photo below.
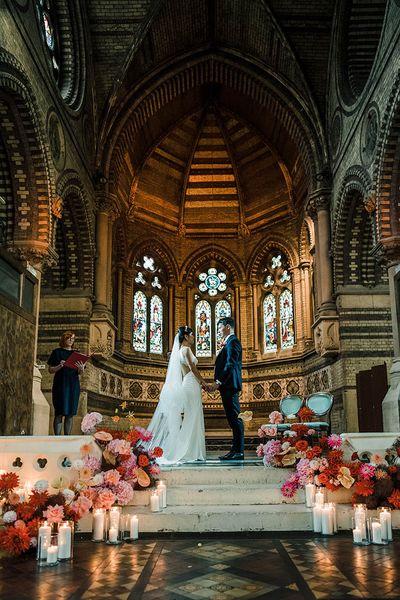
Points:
[(232, 456)]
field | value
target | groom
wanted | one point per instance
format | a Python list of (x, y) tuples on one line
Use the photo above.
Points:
[(228, 380)]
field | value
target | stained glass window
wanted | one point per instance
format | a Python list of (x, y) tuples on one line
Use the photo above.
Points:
[(203, 329), (286, 318), (212, 281), (222, 309), (156, 325), (148, 306), (278, 315), (139, 326), (48, 29), (270, 329)]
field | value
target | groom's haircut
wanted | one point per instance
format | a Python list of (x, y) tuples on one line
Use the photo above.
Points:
[(227, 321)]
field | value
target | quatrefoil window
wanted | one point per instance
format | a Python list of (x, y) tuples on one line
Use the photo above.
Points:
[(212, 281)]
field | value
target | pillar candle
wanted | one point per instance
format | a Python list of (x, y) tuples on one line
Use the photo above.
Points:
[(98, 525), (385, 519), (376, 533), (317, 518), (115, 514), (357, 537), (113, 534), (319, 497), (154, 502), (64, 541), (134, 528), (326, 520), (162, 491), (52, 553), (334, 516), (310, 494), (44, 535), (360, 521)]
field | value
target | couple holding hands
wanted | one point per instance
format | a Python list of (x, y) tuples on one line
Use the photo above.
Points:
[(178, 422)]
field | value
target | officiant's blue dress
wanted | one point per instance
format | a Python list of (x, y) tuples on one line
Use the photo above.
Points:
[(66, 387)]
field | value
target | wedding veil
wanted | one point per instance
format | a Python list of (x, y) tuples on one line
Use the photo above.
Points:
[(167, 418)]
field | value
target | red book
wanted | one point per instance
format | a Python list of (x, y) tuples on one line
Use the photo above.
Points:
[(74, 358)]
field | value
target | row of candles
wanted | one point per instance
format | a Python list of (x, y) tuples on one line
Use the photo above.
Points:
[(114, 527), (377, 530), (55, 542)]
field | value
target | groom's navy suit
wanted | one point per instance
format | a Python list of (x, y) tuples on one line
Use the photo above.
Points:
[(228, 371)]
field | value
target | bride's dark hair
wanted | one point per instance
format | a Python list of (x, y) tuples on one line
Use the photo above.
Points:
[(182, 331)]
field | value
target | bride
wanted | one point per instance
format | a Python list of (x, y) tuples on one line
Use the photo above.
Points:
[(178, 422)]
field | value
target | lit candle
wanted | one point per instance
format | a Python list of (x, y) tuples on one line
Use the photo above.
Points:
[(112, 534), (44, 535), (357, 537), (98, 525), (134, 528), (385, 519), (28, 487), (319, 497), (52, 553), (115, 515), (361, 522), (154, 502), (162, 491), (376, 533), (326, 520), (334, 516), (317, 518), (64, 541), (310, 494)]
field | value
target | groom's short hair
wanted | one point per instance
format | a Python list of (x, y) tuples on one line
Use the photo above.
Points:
[(227, 321)]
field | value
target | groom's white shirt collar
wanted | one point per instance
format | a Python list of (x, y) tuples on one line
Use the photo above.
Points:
[(227, 338)]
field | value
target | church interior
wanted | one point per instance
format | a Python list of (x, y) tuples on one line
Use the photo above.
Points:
[(174, 162)]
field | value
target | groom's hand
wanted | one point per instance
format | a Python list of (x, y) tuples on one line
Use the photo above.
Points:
[(213, 387)]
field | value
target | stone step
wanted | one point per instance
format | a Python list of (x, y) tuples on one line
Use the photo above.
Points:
[(242, 474), (200, 495)]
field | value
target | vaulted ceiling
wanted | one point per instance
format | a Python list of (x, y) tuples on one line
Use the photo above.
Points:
[(210, 112)]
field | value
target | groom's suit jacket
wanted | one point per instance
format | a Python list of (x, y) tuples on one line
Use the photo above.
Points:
[(228, 365)]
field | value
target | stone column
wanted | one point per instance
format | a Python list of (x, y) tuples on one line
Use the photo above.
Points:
[(171, 320), (237, 308), (326, 325), (306, 298), (256, 344), (391, 402), (102, 328), (120, 287)]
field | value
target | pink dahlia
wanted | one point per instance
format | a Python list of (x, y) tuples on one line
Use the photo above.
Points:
[(290, 487), (366, 471), (144, 434), (335, 441)]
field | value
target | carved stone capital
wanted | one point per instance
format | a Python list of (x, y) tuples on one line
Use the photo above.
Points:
[(106, 201), (38, 254), (243, 230), (57, 206), (326, 336), (391, 248), (370, 203), (182, 230), (102, 333)]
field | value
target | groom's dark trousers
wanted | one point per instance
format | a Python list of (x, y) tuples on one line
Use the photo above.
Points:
[(228, 371)]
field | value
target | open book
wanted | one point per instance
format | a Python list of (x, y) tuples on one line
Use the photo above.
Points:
[(74, 358)]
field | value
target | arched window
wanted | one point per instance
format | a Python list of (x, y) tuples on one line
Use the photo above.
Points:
[(278, 316), (212, 303), (148, 307)]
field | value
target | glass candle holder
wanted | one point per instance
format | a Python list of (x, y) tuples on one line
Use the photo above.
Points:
[(130, 527), (66, 540), (43, 541), (99, 525), (52, 551), (384, 514), (114, 534), (360, 530), (377, 532)]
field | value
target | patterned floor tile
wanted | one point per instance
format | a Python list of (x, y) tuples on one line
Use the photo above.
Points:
[(225, 586), (213, 551)]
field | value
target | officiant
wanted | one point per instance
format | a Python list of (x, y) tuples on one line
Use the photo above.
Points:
[(66, 386)]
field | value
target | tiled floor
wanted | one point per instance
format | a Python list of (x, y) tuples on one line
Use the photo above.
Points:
[(285, 568)]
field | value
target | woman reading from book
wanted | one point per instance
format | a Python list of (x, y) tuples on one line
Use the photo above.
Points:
[(66, 387)]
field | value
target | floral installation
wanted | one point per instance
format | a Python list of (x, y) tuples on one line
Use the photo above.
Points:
[(375, 479), (305, 413), (126, 463), (21, 519)]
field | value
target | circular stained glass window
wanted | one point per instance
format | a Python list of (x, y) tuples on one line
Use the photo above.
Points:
[(212, 281)]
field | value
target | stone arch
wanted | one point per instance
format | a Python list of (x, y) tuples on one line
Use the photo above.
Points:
[(360, 25), (159, 249), (262, 250), (211, 252), (73, 237), (29, 165), (354, 234), (386, 175)]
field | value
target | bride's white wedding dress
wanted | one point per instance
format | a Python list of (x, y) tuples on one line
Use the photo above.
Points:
[(178, 422)]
